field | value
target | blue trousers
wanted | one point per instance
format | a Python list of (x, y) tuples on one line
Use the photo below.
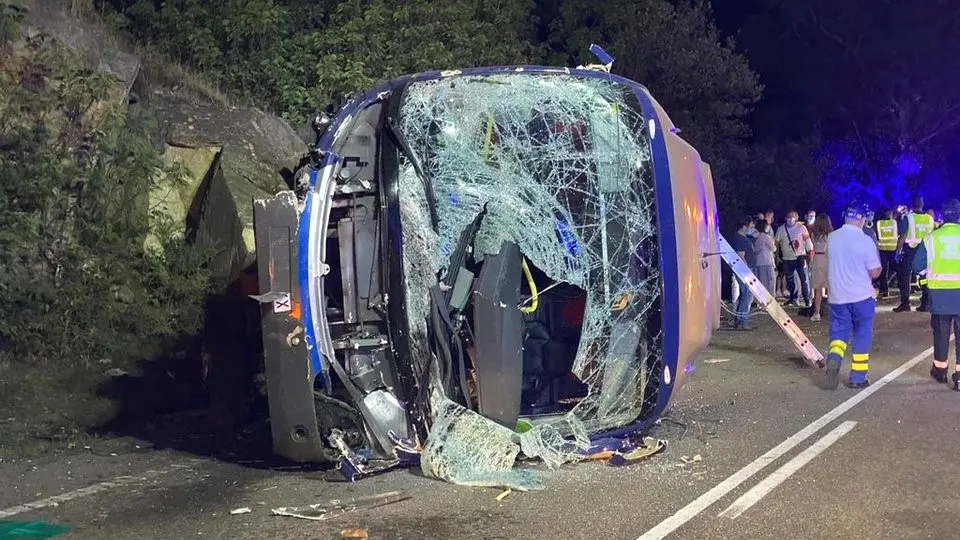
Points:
[(852, 325), (743, 304), (789, 267)]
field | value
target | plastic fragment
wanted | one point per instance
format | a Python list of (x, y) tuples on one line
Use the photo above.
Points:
[(506, 493), (650, 447), (30, 530), (354, 534), (238, 511)]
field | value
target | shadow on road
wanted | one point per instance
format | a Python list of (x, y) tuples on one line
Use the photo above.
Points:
[(201, 396)]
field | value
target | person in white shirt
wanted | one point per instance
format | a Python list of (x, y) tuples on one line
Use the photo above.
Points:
[(853, 265), (794, 244)]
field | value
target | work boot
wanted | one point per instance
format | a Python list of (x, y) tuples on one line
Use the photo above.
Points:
[(858, 385), (832, 378), (939, 374), (902, 308), (956, 381)]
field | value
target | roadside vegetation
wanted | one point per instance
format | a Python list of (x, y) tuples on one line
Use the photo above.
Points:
[(80, 295)]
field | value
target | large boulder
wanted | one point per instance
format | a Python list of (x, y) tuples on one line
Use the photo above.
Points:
[(232, 155)]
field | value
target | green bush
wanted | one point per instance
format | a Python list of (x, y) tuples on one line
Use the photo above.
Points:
[(77, 285)]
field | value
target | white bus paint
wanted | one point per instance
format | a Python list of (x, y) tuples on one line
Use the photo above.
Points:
[(769, 483)]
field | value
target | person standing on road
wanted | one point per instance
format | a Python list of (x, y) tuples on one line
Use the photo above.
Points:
[(887, 244), (743, 245), (922, 275), (764, 248), (914, 227), (793, 242), (819, 267), (853, 265), (939, 256)]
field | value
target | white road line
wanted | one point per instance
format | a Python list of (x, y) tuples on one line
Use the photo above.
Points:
[(691, 510), (769, 483), (90, 490)]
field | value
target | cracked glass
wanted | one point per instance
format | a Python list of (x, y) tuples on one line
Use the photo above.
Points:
[(562, 164)]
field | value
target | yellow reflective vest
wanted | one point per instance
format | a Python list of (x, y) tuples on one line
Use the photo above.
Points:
[(943, 257), (918, 227), (887, 234)]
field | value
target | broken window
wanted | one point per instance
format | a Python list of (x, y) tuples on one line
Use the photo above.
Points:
[(561, 166)]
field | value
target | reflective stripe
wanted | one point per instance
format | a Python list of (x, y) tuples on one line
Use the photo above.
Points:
[(918, 227), (940, 364), (887, 234), (838, 347), (859, 366), (861, 357), (943, 257)]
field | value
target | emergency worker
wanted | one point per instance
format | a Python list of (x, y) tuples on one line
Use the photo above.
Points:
[(922, 274), (914, 227), (939, 255), (853, 265), (887, 244)]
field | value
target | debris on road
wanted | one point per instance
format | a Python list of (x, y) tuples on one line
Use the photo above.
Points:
[(506, 493), (334, 508), (688, 460), (716, 360), (238, 511), (650, 447), (30, 530), (354, 534), (620, 452)]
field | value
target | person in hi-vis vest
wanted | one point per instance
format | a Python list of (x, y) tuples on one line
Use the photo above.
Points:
[(887, 235), (914, 227), (939, 255)]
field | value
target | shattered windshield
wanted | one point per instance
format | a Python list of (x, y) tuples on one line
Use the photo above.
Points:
[(562, 165)]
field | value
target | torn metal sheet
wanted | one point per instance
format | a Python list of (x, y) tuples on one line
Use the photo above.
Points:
[(335, 508)]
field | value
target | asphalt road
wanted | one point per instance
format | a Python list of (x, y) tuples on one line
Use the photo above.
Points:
[(780, 458)]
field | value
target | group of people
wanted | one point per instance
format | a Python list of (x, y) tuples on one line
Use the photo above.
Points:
[(853, 264), (789, 261)]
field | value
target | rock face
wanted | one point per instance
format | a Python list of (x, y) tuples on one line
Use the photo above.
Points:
[(230, 156), (233, 155), (89, 41)]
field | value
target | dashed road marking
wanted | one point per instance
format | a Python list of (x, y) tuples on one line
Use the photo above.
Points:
[(119, 481), (702, 502), (769, 483)]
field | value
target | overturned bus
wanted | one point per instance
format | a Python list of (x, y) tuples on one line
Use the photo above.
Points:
[(483, 265)]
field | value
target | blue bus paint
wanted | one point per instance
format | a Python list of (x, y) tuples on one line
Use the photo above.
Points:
[(670, 297)]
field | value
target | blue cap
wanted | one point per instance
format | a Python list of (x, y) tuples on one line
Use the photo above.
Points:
[(857, 210)]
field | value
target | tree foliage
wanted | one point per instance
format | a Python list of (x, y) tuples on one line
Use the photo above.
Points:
[(676, 51), (296, 55), (300, 54), (876, 78), (77, 284)]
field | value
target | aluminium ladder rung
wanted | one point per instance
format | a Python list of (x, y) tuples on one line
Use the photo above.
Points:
[(769, 303)]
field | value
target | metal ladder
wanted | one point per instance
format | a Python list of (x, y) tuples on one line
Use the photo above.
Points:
[(769, 303)]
